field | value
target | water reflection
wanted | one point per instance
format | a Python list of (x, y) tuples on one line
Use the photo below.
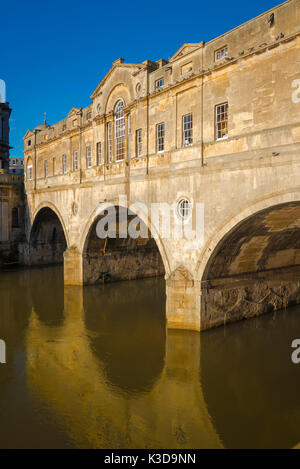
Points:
[(109, 376), (96, 368), (250, 385), (127, 332)]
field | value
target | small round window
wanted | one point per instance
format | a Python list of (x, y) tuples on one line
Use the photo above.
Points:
[(138, 88), (184, 209)]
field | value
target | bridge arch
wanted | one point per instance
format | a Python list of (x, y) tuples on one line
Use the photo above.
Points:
[(152, 250), (54, 209), (252, 265), (48, 237)]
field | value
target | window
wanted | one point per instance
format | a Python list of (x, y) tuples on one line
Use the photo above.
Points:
[(159, 84), (187, 130), (138, 89), (15, 218), (109, 142), (221, 53), (89, 115), (46, 168), (64, 163), (129, 136), (184, 209), (119, 131), (138, 142), (221, 121), (22, 163), (98, 153), (74, 122), (29, 172), (75, 160), (160, 137), (89, 157), (29, 143)]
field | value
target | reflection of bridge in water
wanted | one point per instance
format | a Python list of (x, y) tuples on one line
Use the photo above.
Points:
[(96, 372), (115, 386)]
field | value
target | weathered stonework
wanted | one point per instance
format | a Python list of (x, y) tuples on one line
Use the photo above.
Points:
[(248, 180)]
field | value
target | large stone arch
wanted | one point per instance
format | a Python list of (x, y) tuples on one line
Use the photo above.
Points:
[(51, 206), (47, 238), (162, 248), (252, 265), (221, 231)]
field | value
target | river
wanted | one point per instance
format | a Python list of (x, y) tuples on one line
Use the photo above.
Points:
[(95, 367)]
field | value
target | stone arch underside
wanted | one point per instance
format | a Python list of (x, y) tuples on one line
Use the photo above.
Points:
[(121, 257), (255, 268), (47, 241)]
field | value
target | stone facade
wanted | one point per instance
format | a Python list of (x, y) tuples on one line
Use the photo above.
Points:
[(12, 205), (5, 112), (230, 140), (12, 217)]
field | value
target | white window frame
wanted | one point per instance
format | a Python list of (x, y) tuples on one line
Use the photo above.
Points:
[(221, 121), (138, 142), (187, 130), (129, 135), (46, 168), (119, 120), (109, 143), (184, 209), (29, 172), (99, 153), (64, 163), (88, 156), (221, 53), (160, 137), (75, 160), (159, 83)]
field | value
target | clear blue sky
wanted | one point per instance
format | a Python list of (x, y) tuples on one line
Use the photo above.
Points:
[(54, 54)]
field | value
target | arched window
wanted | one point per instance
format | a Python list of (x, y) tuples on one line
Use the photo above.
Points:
[(29, 169), (119, 131)]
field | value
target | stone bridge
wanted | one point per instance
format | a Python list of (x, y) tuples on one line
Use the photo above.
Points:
[(240, 161)]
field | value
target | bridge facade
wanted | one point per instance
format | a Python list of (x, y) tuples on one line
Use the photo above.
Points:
[(216, 127)]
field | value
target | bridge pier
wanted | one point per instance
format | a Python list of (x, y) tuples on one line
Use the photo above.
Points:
[(73, 268), (183, 301)]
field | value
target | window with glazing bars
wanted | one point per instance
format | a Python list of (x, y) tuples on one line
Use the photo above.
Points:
[(138, 142), (221, 121), (29, 172), (64, 163), (160, 136), (98, 153), (129, 136), (109, 142), (88, 157), (159, 83), (119, 132), (221, 53), (75, 160), (46, 168), (187, 129)]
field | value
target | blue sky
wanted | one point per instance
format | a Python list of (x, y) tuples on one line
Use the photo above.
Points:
[(54, 54)]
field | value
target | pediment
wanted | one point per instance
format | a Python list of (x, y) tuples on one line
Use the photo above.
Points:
[(29, 133), (73, 111), (186, 49), (131, 68)]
